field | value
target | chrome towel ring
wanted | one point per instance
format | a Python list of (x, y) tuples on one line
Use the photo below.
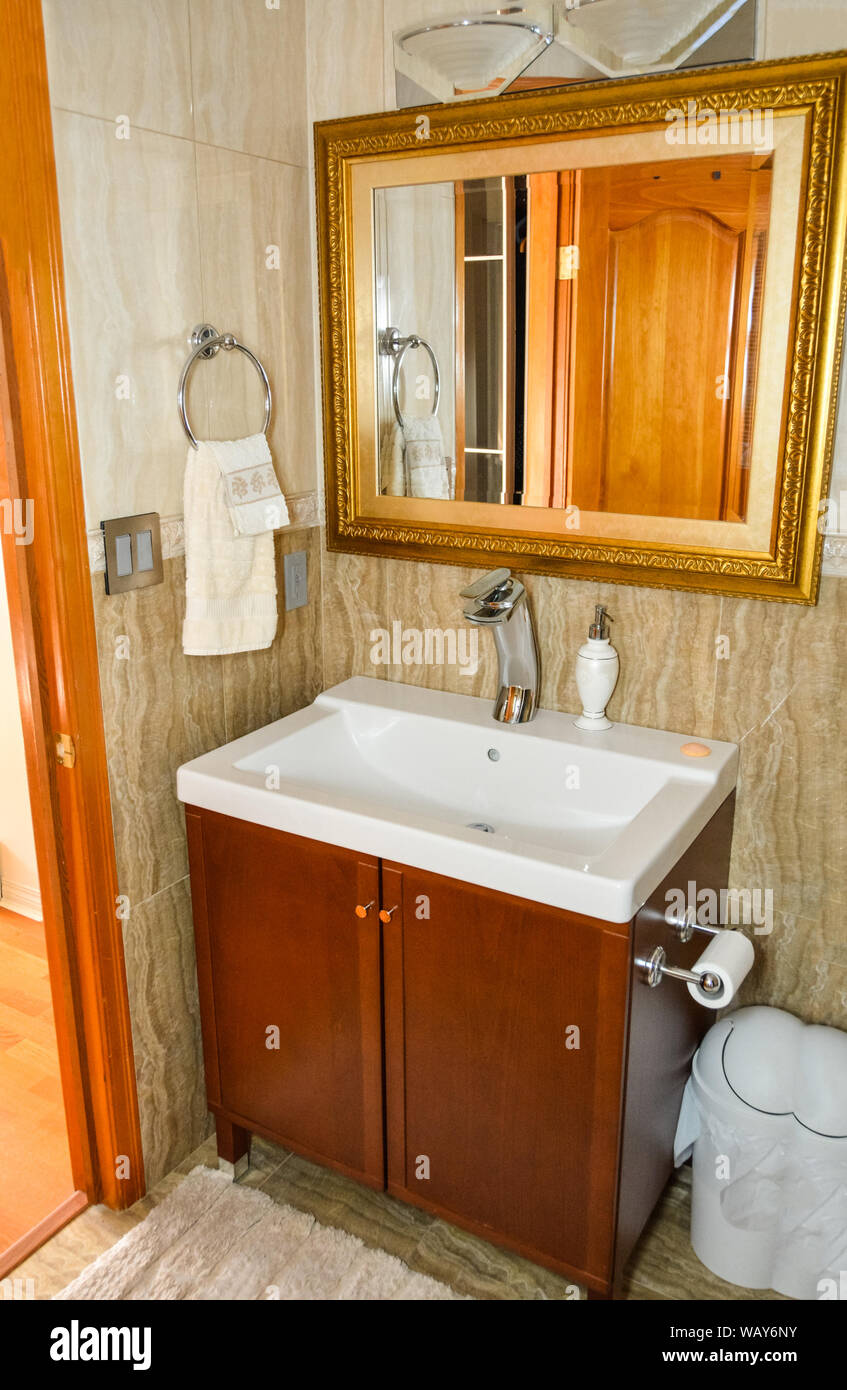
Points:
[(207, 342), (392, 345)]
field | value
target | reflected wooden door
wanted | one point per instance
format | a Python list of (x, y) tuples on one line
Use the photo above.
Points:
[(549, 353), (665, 330)]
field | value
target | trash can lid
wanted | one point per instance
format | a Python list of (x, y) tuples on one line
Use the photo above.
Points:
[(777, 1064)]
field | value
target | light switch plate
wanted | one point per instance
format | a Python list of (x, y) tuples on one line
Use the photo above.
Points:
[(133, 552), (296, 580), (123, 553)]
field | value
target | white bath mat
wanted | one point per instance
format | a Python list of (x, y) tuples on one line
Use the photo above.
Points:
[(211, 1239)]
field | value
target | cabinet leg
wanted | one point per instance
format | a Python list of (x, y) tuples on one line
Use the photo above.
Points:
[(595, 1297), (233, 1147)]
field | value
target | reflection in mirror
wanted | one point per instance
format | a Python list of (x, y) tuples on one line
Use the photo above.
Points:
[(415, 231), (596, 334)]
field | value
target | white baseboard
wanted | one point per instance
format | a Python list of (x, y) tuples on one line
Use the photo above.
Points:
[(19, 897)]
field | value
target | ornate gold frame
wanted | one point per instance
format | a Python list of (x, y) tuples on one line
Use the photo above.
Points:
[(815, 87)]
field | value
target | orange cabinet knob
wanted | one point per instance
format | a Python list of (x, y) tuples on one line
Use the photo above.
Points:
[(363, 909), (386, 913)]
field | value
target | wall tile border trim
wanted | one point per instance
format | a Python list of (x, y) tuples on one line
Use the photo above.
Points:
[(304, 509)]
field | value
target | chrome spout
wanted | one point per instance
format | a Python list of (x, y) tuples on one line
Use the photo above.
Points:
[(498, 600)]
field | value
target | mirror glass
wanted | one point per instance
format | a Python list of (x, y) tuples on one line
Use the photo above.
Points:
[(574, 338), (592, 330)]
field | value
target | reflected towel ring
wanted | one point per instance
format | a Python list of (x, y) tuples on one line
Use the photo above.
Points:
[(207, 342), (392, 345)]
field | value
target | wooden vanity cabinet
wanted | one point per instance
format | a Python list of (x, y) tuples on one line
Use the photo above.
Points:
[(494, 1061)]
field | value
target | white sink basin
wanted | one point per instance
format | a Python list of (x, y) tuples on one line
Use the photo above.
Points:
[(587, 821)]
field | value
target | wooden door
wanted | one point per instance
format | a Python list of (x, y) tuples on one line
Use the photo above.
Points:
[(550, 302), (52, 620), (665, 332), (290, 984), (505, 1024)]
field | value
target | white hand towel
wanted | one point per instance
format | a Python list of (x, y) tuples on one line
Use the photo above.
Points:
[(252, 492), (426, 466), (230, 578)]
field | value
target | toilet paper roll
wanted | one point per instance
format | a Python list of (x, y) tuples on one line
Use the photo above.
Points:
[(729, 955)]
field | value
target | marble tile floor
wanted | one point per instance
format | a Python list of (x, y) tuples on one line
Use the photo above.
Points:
[(663, 1267)]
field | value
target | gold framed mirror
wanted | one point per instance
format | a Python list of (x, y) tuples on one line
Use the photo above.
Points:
[(593, 330)]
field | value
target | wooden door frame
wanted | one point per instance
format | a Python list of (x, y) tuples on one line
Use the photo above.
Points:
[(53, 632)]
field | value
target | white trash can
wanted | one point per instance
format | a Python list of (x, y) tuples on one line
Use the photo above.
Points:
[(765, 1115)]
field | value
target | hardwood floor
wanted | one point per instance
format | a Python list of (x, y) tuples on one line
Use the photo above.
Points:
[(35, 1169)]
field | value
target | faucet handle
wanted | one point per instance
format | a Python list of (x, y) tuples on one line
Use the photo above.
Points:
[(487, 586), (494, 598)]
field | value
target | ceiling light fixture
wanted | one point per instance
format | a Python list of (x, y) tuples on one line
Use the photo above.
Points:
[(626, 37), (473, 55)]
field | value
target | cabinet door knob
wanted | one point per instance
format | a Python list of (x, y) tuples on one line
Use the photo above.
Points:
[(386, 913), (364, 908)]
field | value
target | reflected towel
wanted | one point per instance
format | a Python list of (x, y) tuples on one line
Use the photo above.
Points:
[(426, 466), (392, 463), (412, 462)]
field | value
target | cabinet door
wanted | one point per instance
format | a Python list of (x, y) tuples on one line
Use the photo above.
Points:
[(290, 982), (505, 1029)]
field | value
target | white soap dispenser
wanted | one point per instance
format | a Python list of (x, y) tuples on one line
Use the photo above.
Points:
[(597, 668)]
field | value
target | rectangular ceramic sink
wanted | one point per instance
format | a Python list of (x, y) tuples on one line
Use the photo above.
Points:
[(591, 822)]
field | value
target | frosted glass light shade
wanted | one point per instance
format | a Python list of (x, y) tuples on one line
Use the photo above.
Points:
[(625, 37), (467, 55)]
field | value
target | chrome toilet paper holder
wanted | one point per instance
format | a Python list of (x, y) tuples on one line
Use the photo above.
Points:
[(685, 924), (655, 967)]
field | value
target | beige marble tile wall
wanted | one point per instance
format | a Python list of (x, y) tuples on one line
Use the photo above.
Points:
[(769, 676), (182, 155), (160, 709), (792, 27)]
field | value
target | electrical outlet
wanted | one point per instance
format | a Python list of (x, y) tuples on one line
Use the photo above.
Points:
[(296, 582)]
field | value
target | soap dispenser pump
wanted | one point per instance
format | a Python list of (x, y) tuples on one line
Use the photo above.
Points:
[(597, 668)]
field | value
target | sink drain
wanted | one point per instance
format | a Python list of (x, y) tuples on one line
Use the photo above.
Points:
[(481, 825)]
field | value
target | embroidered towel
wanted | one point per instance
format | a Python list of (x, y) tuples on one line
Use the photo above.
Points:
[(252, 492), (412, 462), (426, 467), (230, 577)]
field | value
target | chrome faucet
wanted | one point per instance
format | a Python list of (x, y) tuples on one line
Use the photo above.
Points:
[(499, 601)]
